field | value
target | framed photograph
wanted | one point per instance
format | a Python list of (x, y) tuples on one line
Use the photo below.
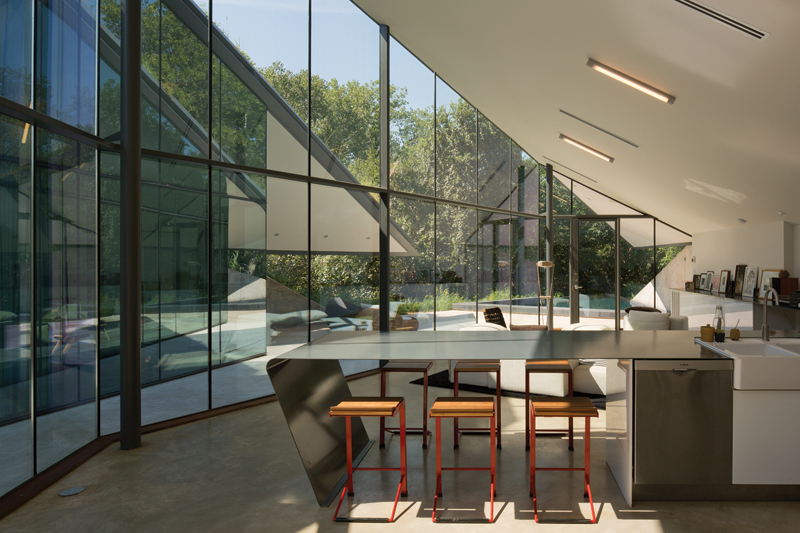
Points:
[(696, 281), (703, 280), (766, 281), (715, 283), (738, 281), (723, 280), (750, 281), (709, 279)]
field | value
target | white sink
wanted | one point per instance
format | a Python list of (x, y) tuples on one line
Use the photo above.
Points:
[(762, 366)]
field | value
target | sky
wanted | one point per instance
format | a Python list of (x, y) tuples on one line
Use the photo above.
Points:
[(345, 43)]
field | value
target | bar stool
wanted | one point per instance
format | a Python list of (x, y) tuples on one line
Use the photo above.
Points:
[(485, 365), (408, 366), (558, 366), (371, 406), (566, 407), (455, 408)]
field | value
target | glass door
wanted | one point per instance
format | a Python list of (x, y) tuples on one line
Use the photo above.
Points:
[(593, 272)]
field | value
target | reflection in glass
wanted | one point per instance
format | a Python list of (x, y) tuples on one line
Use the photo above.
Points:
[(239, 294), (494, 261), (525, 179), (67, 325), (413, 273), (524, 254), (673, 263), (597, 270), (66, 61), (561, 258), (240, 120), (15, 52), (345, 264), (562, 195), (16, 446), (345, 107), (411, 117), (585, 201), (636, 262), (456, 258)]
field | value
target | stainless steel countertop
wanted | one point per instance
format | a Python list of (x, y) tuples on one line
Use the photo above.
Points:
[(374, 345)]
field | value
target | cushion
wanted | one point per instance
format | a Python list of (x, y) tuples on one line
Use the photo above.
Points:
[(338, 307), (641, 308), (648, 321), (483, 326), (295, 318), (393, 307)]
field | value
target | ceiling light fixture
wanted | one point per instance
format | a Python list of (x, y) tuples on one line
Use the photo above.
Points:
[(589, 149), (631, 82)]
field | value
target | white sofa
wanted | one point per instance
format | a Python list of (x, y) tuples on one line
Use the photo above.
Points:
[(589, 375)]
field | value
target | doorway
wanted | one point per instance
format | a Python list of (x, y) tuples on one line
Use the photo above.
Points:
[(594, 271)]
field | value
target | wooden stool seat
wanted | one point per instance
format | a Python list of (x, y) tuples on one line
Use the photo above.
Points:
[(492, 365), (570, 407), (462, 408), (478, 365), (555, 366), (367, 406), (455, 408), (408, 365), (371, 406)]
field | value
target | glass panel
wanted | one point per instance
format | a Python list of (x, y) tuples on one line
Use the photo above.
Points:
[(175, 293), (524, 254), (673, 264), (269, 40), (239, 297), (175, 84), (413, 271), (286, 269), (16, 445), (345, 266), (109, 333), (456, 264), (494, 262), (456, 145), (15, 52), (240, 120), (411, 116), (108, 121), (596, 272), (66, 61), (585, 201), (66, 275), (636, 262), (494, 165), (345, 108), (562, 195), (561, 258), (524, 181)]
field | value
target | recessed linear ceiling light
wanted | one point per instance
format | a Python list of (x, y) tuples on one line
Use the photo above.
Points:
[(631, 82), (589, 149)]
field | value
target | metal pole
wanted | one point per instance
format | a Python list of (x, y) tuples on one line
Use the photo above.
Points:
[(617, 288), (131, 215), (549, 241), (384, 240)]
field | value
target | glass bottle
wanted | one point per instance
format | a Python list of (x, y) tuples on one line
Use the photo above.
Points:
[(719, 325)]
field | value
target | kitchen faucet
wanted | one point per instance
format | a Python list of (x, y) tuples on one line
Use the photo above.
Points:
[(764, 326)]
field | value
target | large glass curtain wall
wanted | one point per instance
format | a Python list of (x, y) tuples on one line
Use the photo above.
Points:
[(261, 181)]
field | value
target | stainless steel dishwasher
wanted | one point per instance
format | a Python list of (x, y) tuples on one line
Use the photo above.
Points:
[(683, 422)]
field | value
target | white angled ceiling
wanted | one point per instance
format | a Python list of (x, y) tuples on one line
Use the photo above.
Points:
[(728, 148)]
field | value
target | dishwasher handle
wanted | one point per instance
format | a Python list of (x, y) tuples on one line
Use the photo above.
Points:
[(684, 371)]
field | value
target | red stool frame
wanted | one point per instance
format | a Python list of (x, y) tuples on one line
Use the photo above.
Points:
[(402, 488), (475, 366), (587, 490), (558, 366), (408, 366), (460, 408)]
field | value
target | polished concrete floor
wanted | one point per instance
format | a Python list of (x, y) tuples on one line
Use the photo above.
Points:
[(241, 472)]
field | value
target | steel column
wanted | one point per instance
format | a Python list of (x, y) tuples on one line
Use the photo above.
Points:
[(549, 240), (131, 222), (384, 241)]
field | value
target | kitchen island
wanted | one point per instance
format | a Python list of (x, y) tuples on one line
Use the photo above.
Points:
[(308, 380)]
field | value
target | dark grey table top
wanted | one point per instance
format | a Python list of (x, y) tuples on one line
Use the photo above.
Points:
[(504, 345)]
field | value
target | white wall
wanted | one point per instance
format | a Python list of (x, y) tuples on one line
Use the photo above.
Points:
[(770, 246)]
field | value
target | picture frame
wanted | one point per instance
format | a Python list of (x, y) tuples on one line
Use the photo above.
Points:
[(703, 280), (766, 281), (723, 280), (696, 281), (750, 281), (715, 283), (709, 279), (738, 282)]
